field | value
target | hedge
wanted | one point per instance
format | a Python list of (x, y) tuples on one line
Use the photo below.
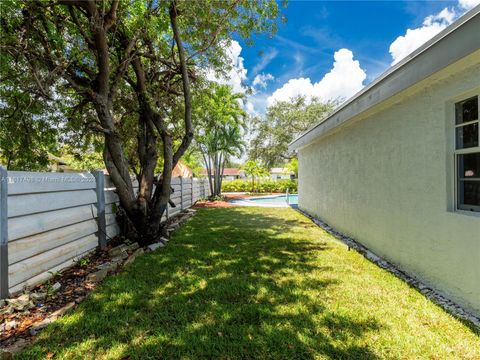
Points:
[(261, 186)]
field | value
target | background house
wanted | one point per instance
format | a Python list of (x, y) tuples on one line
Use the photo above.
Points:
[(397, 167), (182, 170), (229, 173), (57, 164), (281, 173)]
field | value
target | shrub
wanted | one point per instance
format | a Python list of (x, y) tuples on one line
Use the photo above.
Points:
[(238, 185), (261, 186)]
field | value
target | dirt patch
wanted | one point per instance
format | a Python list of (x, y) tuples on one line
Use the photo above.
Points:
[(213, 204), (73, 287)]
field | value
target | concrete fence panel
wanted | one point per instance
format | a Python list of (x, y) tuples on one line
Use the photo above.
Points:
[(48, 221)]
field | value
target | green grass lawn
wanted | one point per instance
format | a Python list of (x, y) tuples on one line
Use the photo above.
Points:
[(254, 283)]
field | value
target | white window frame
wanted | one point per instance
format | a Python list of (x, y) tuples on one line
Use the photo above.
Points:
[(471, 150)]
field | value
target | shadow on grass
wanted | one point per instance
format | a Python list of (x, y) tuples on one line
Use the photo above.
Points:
[(231, 284)]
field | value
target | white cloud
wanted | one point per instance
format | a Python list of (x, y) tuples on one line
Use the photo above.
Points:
[(432, 25), (236, 77), (446, 16), (468, 4), (413, 38), (344, 80), (250, 108), (294, 87), (261, 80), (265, 59), (237, 74)]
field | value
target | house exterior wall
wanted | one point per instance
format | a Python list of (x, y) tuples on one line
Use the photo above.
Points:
[(280, 176), (386, 179)]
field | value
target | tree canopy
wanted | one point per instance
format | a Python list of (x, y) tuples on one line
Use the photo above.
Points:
[(284, 121)]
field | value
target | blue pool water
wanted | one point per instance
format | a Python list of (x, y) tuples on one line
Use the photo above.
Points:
[(292, 199), (269, 201)]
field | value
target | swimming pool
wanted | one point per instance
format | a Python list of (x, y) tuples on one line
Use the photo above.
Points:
[(269, 201)]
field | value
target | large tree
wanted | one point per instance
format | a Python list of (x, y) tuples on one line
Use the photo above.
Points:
[(284, 121), (125, 70)]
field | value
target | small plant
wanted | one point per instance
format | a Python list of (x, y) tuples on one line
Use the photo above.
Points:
[(84, 262), (54, 273), (216, 198), (49, 290)]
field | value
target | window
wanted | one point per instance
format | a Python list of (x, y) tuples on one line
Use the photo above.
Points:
[(467, 154)]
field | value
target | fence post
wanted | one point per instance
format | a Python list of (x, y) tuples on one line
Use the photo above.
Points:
[(100, 190), (191, 203), (181, 193), (3, 233)]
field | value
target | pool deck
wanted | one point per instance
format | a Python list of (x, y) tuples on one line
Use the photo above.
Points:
[(244, 201), (241, 199)]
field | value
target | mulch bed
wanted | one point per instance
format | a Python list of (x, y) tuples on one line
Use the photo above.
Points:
[(226, 202), (220, 203), (213, 204), (74, 288)]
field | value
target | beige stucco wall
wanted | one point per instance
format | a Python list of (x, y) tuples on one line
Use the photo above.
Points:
[(386, 179)]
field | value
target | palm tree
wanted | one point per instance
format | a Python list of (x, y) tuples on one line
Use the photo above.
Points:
[(220, 131), (231, 144), (253, 169)]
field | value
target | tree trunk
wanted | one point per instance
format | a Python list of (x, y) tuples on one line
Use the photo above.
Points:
[(215, 179), (208, 164), (162, 192), (146, 210), (221, 175), (218, 174)]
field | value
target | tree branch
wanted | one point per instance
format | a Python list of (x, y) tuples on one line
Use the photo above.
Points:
[(111, 16), (79, 27), (123, 63), (216, 32), (187, 138)]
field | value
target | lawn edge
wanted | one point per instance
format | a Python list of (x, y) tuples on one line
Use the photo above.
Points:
[(451, 307)]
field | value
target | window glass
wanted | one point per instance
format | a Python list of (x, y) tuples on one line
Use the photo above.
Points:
[(466, 110), (467, 136), (469, 166), (467, 158), (469, 192)]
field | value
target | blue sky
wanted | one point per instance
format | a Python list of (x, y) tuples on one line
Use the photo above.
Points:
[(354, 41)]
